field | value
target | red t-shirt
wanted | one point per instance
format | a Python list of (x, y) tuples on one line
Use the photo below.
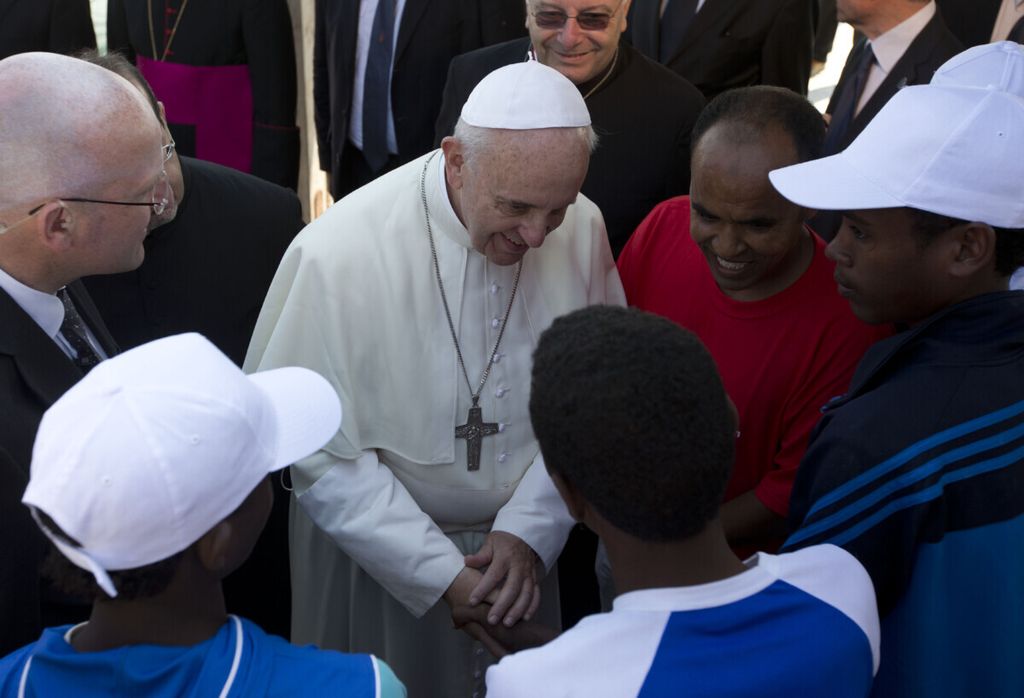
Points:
[(780, 358)]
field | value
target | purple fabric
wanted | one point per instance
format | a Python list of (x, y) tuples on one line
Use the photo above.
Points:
[(217, 100)]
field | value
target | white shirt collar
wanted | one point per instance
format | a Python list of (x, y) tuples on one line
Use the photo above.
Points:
[(760, 573), (890, 46), (45, 308)]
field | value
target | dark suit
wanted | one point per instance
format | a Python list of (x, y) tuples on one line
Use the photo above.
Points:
[(34, 372), (209, 269), (932, 47), (735, 43), (643, 116), (970, 21), (430, 34), (60, 26)]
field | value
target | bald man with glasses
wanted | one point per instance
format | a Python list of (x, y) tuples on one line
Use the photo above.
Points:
[(81, 180)]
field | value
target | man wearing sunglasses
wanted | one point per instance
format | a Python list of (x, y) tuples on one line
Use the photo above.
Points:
[(81, 177), (642, 112)]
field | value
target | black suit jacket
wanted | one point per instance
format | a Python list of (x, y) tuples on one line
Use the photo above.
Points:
[(970, 21), (735, 43), (643, 116), (209, 269), (60, 26), (34, 372), (430, 34), (929, 50)]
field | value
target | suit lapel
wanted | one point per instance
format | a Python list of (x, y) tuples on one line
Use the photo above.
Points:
[(411, 16), (643, 26), (87, 309), (706, 18), (905, 72), (844, 77), (46, 370), (5, 7)]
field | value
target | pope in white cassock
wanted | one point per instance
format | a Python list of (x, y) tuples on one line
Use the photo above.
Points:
[(421, 298)]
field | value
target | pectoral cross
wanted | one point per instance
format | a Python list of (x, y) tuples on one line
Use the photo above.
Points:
[(473, 431)]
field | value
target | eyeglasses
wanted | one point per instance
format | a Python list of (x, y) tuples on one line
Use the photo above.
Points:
[(587, 21), (159, 198), (168, 151)]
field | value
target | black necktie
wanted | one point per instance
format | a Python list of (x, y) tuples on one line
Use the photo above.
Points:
[(74, 332), (1017, 33), (674, 23), (375, 86), (846, 106)]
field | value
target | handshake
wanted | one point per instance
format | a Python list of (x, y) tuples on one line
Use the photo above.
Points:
[(497, 593)]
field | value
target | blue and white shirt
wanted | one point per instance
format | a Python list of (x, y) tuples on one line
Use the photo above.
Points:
[(801, 624)]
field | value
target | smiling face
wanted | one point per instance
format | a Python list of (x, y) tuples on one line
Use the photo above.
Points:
[(513, 190), (753, 239), (578, 54)]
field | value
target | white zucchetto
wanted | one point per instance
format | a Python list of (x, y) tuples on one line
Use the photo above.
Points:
[(524, 96)]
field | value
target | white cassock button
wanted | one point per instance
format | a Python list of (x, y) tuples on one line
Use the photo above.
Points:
[(495, 322), (500, 392), (494, 289), (502, 457), (501, 427), (497, 358)]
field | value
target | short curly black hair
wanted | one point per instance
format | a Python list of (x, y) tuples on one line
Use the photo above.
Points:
[(68, 578), (629, 408), (753, 110)]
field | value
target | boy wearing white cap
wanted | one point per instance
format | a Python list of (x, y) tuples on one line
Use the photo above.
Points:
[(421, 297), (150, 476), (917, 470)]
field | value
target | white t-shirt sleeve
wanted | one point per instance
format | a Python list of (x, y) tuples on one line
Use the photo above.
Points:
[(833, 575)]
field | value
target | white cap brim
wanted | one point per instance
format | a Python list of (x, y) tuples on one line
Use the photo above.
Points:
[(831, 184), (307, 409)]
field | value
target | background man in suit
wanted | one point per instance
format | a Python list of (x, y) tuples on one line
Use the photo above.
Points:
[(977, 22), (905, 42), (378, 72), (61, 26), (199, 277), (719, 44), (637, 106), (81, 176)]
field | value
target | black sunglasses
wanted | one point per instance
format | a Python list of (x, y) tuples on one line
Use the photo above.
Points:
[(588, 21)]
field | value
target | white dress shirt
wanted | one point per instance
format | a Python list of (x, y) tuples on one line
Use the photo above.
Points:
[(890, 47), (367, 10)]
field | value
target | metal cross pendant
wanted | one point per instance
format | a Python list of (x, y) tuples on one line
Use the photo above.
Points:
[(473, 431)]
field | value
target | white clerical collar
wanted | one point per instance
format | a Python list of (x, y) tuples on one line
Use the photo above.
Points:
[(448, 220), (45, 308), (890, 46)]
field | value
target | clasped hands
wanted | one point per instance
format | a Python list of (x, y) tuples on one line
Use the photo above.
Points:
[(496, 590)]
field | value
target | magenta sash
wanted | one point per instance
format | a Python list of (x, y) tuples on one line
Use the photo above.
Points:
[(216, 100)]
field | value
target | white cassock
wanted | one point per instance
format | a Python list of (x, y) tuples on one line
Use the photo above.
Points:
[(356, 299)]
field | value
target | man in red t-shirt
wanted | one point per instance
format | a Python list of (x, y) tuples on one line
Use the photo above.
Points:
[(736, 264)]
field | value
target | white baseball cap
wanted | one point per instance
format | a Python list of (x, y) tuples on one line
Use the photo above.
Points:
[(156, 446), (523, 96), (998, 66), (954, 151)]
